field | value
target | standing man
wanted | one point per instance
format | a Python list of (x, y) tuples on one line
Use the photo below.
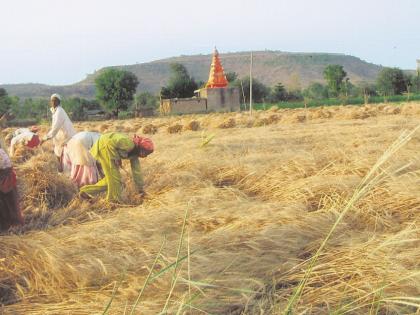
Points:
[(61, 129)]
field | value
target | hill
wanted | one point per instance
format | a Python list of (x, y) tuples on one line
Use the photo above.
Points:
[(270, 67)]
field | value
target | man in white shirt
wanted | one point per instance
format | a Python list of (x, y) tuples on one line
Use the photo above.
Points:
[(61, 129), (25, 136)]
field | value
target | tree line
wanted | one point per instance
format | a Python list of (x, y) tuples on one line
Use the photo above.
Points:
[(390, 81), (116, 91)]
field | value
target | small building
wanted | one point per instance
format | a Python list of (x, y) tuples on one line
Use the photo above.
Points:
[(96, 114), (216, 96)]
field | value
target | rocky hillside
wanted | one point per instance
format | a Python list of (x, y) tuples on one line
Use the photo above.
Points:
[(292, 69)]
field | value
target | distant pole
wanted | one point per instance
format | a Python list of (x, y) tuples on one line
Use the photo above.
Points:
[(418, 67), (418, 73), (250, 86), (243, 94)]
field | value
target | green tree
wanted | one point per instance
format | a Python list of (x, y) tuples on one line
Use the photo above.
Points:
[(279, 93), (180, 85), (76, 107), (334, 75), (145, 100), (231, 76), (115, 89), (316, 91), (32, 108), (259, 91), (415, 84), (5, 101), (391, 81)]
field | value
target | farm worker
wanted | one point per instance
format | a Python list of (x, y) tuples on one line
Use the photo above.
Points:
[(10, 213), (25, 136), (3, 124), (78, 163), (61, 129), (108, 151)]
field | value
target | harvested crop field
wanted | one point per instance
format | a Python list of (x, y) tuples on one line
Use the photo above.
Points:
[(316, 211)]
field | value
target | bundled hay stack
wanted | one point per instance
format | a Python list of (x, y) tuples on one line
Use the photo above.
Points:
[(299, 117), (321, 113), (193, 125), (259, 122), (120, 128), (228, 123), (129, 126), (356, 113), (177, 128), (41, 186), (274, 119), (150, 129), (248, 122), (23, 153), (104, 128), (392, 110)]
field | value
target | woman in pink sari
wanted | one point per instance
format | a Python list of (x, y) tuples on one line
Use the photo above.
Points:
[(78, 163)]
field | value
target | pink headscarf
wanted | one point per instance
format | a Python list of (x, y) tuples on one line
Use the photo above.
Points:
[(144, 143)]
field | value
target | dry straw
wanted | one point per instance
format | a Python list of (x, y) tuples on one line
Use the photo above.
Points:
[(193, 125), (176, 128), (228, 123), (311, 215), (150, 129)]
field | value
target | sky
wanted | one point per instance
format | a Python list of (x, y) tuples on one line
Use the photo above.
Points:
[(60, 42)]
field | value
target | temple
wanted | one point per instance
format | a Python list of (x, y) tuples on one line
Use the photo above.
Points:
[(215, 96), (217, 78)]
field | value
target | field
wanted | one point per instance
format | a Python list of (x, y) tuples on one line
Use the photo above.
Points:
[(313, 211)]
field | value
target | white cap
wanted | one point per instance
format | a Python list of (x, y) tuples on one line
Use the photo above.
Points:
[(57, 96)]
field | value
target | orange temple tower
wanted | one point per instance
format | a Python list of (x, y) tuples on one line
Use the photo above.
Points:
[(217, 78)]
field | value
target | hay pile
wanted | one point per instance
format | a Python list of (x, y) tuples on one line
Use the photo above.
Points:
[(357, 113), (264, 121), (176, 128), (274, 118), (23, 153), (41, 186), (298, 117), (193, 125), (105, 127), (150, 129), (392, 110), (228, 123), (321, 114)]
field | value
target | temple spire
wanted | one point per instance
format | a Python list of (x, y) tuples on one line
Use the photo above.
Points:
[(217, 78)]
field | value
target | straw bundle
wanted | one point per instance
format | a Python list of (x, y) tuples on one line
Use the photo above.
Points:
[(321, 113), (299, 118), (23, 153), (40, 184), (264, 121), (193, 125), (150, 129), (104, 128), (228, 123), (392, 110), (357, 114), (177, 128)]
